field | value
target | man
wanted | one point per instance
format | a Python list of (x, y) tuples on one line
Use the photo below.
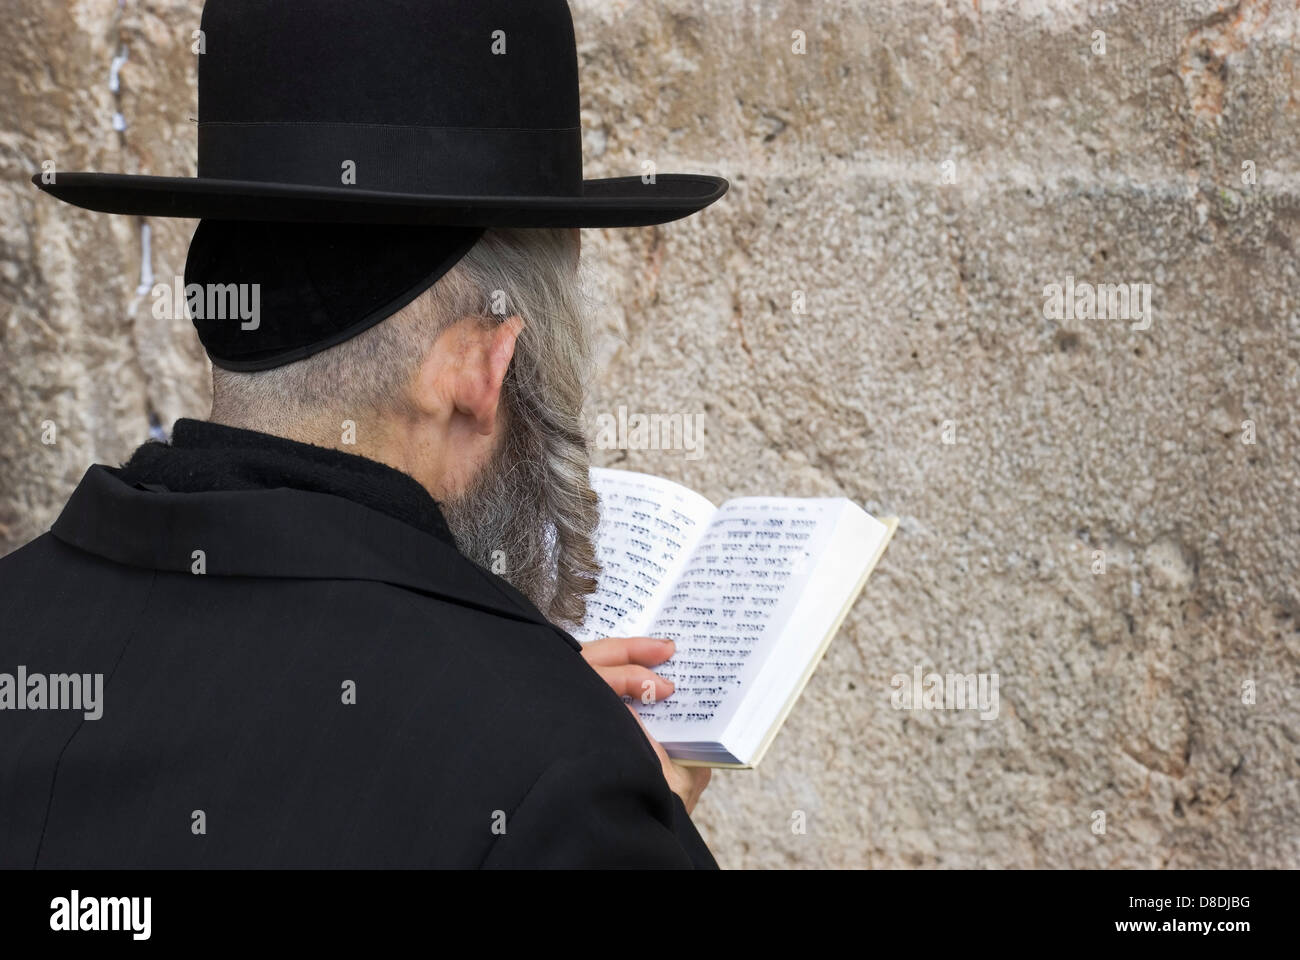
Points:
[(278, 640)]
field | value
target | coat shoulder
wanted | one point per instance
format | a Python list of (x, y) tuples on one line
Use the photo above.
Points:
[(525, 670)]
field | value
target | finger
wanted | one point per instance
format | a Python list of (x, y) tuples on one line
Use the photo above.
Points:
[(615, 651), (702, 776), (660, 752), (633, 681), (675, 775), (696, 775), (697, 778)]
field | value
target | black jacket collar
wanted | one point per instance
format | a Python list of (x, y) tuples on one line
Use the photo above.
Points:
[(203, 456), (269, 509)]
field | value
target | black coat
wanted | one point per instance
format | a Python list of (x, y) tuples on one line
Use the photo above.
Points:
[(478, 736)]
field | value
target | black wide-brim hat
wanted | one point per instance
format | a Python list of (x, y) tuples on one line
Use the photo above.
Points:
[(438, 112)]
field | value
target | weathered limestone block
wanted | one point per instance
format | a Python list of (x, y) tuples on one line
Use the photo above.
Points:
[(1098, 532)]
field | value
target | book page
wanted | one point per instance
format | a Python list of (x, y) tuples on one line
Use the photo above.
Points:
[(838, 574), (647, 528), (729, 604)]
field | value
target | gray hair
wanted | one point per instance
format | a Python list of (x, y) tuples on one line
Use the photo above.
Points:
[(540, 476)]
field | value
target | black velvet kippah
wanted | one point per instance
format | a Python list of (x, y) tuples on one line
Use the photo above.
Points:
[(316, 284)]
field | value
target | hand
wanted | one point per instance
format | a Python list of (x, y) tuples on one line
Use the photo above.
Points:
[(687, 782), (623, 663)]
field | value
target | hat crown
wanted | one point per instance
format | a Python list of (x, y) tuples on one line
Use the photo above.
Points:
[(459, 63), (424, 96)]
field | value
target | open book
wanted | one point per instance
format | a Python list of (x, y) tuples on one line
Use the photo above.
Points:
[(751, 592)]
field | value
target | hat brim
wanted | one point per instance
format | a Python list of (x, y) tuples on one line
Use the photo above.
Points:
[(614, 202)]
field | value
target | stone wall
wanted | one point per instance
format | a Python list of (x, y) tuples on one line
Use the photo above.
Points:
[(1098, 532)]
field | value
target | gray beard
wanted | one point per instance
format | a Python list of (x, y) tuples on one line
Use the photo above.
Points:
[(502, 522)]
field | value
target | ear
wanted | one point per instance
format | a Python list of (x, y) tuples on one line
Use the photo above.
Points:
[(461, 378)]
